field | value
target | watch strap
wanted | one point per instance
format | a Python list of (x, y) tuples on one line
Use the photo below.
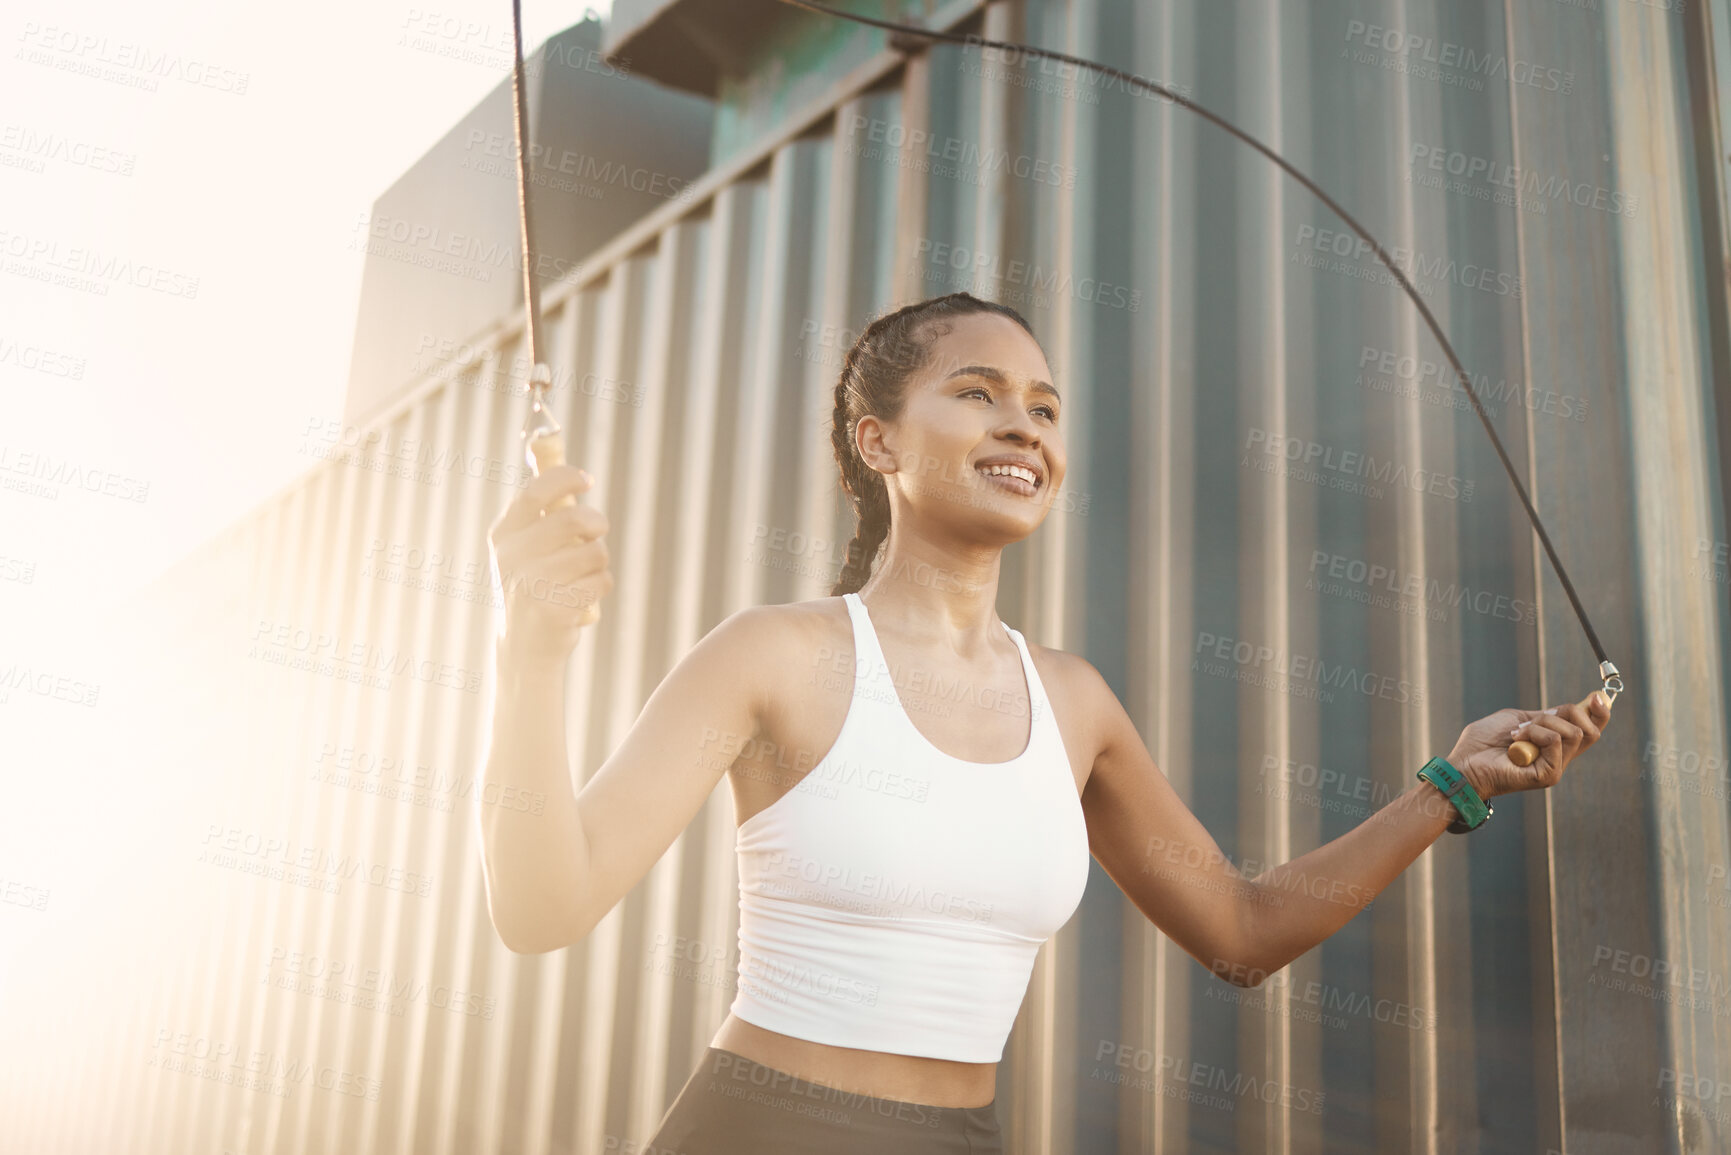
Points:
[(1455, 787)]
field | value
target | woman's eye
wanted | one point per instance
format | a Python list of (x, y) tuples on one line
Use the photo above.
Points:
[(1051, 413)]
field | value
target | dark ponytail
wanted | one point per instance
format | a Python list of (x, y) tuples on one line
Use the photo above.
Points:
[(873, 381)]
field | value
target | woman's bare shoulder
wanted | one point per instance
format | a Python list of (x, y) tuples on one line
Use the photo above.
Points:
[(782, 631), (793, 616), (774, 646), (1070, 677), (809, 611)]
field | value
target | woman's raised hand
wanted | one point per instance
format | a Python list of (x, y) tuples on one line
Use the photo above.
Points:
[(550, 563), (1481, 753)]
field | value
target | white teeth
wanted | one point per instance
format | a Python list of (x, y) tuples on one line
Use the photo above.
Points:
[(1020, 471)]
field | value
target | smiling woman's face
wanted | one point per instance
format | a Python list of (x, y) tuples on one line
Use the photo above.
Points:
[(982, 402)]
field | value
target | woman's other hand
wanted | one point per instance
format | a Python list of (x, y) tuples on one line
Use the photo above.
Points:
[(1481, 753), (550, 562)]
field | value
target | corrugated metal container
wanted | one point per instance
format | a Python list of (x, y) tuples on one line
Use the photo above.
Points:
[(1290, 549)]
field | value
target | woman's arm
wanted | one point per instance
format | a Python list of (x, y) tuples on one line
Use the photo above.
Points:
[(555, 862), (1308, 899), (534, 855), (1314, 895), (1242, 929)]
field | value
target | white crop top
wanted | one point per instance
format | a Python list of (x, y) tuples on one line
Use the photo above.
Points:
[(895, 898)]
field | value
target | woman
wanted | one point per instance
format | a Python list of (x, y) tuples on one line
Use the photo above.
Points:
[(918, 788)]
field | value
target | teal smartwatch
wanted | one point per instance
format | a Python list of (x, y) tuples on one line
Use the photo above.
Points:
[(1454, 786)]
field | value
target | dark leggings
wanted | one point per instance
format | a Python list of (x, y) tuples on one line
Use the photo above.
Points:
[(732, 1105)]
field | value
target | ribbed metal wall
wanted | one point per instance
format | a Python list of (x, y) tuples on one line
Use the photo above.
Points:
[(1197, 313)]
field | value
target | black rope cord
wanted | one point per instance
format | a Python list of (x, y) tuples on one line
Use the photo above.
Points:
[(905, 38), (520, 125), (539, 427)]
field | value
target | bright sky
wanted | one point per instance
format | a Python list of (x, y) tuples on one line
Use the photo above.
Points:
[(195, 172)]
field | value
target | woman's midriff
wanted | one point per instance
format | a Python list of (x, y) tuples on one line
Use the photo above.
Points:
[(908, 1078)]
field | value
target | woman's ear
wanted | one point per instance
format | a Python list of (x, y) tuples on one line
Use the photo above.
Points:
[(871, 438)]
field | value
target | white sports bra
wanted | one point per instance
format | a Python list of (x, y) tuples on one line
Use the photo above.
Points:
[(895, 898)]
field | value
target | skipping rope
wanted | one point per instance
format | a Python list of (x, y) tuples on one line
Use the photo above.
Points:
[(541, 433)]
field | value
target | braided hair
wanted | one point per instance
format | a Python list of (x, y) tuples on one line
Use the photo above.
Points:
[(873, 381)]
